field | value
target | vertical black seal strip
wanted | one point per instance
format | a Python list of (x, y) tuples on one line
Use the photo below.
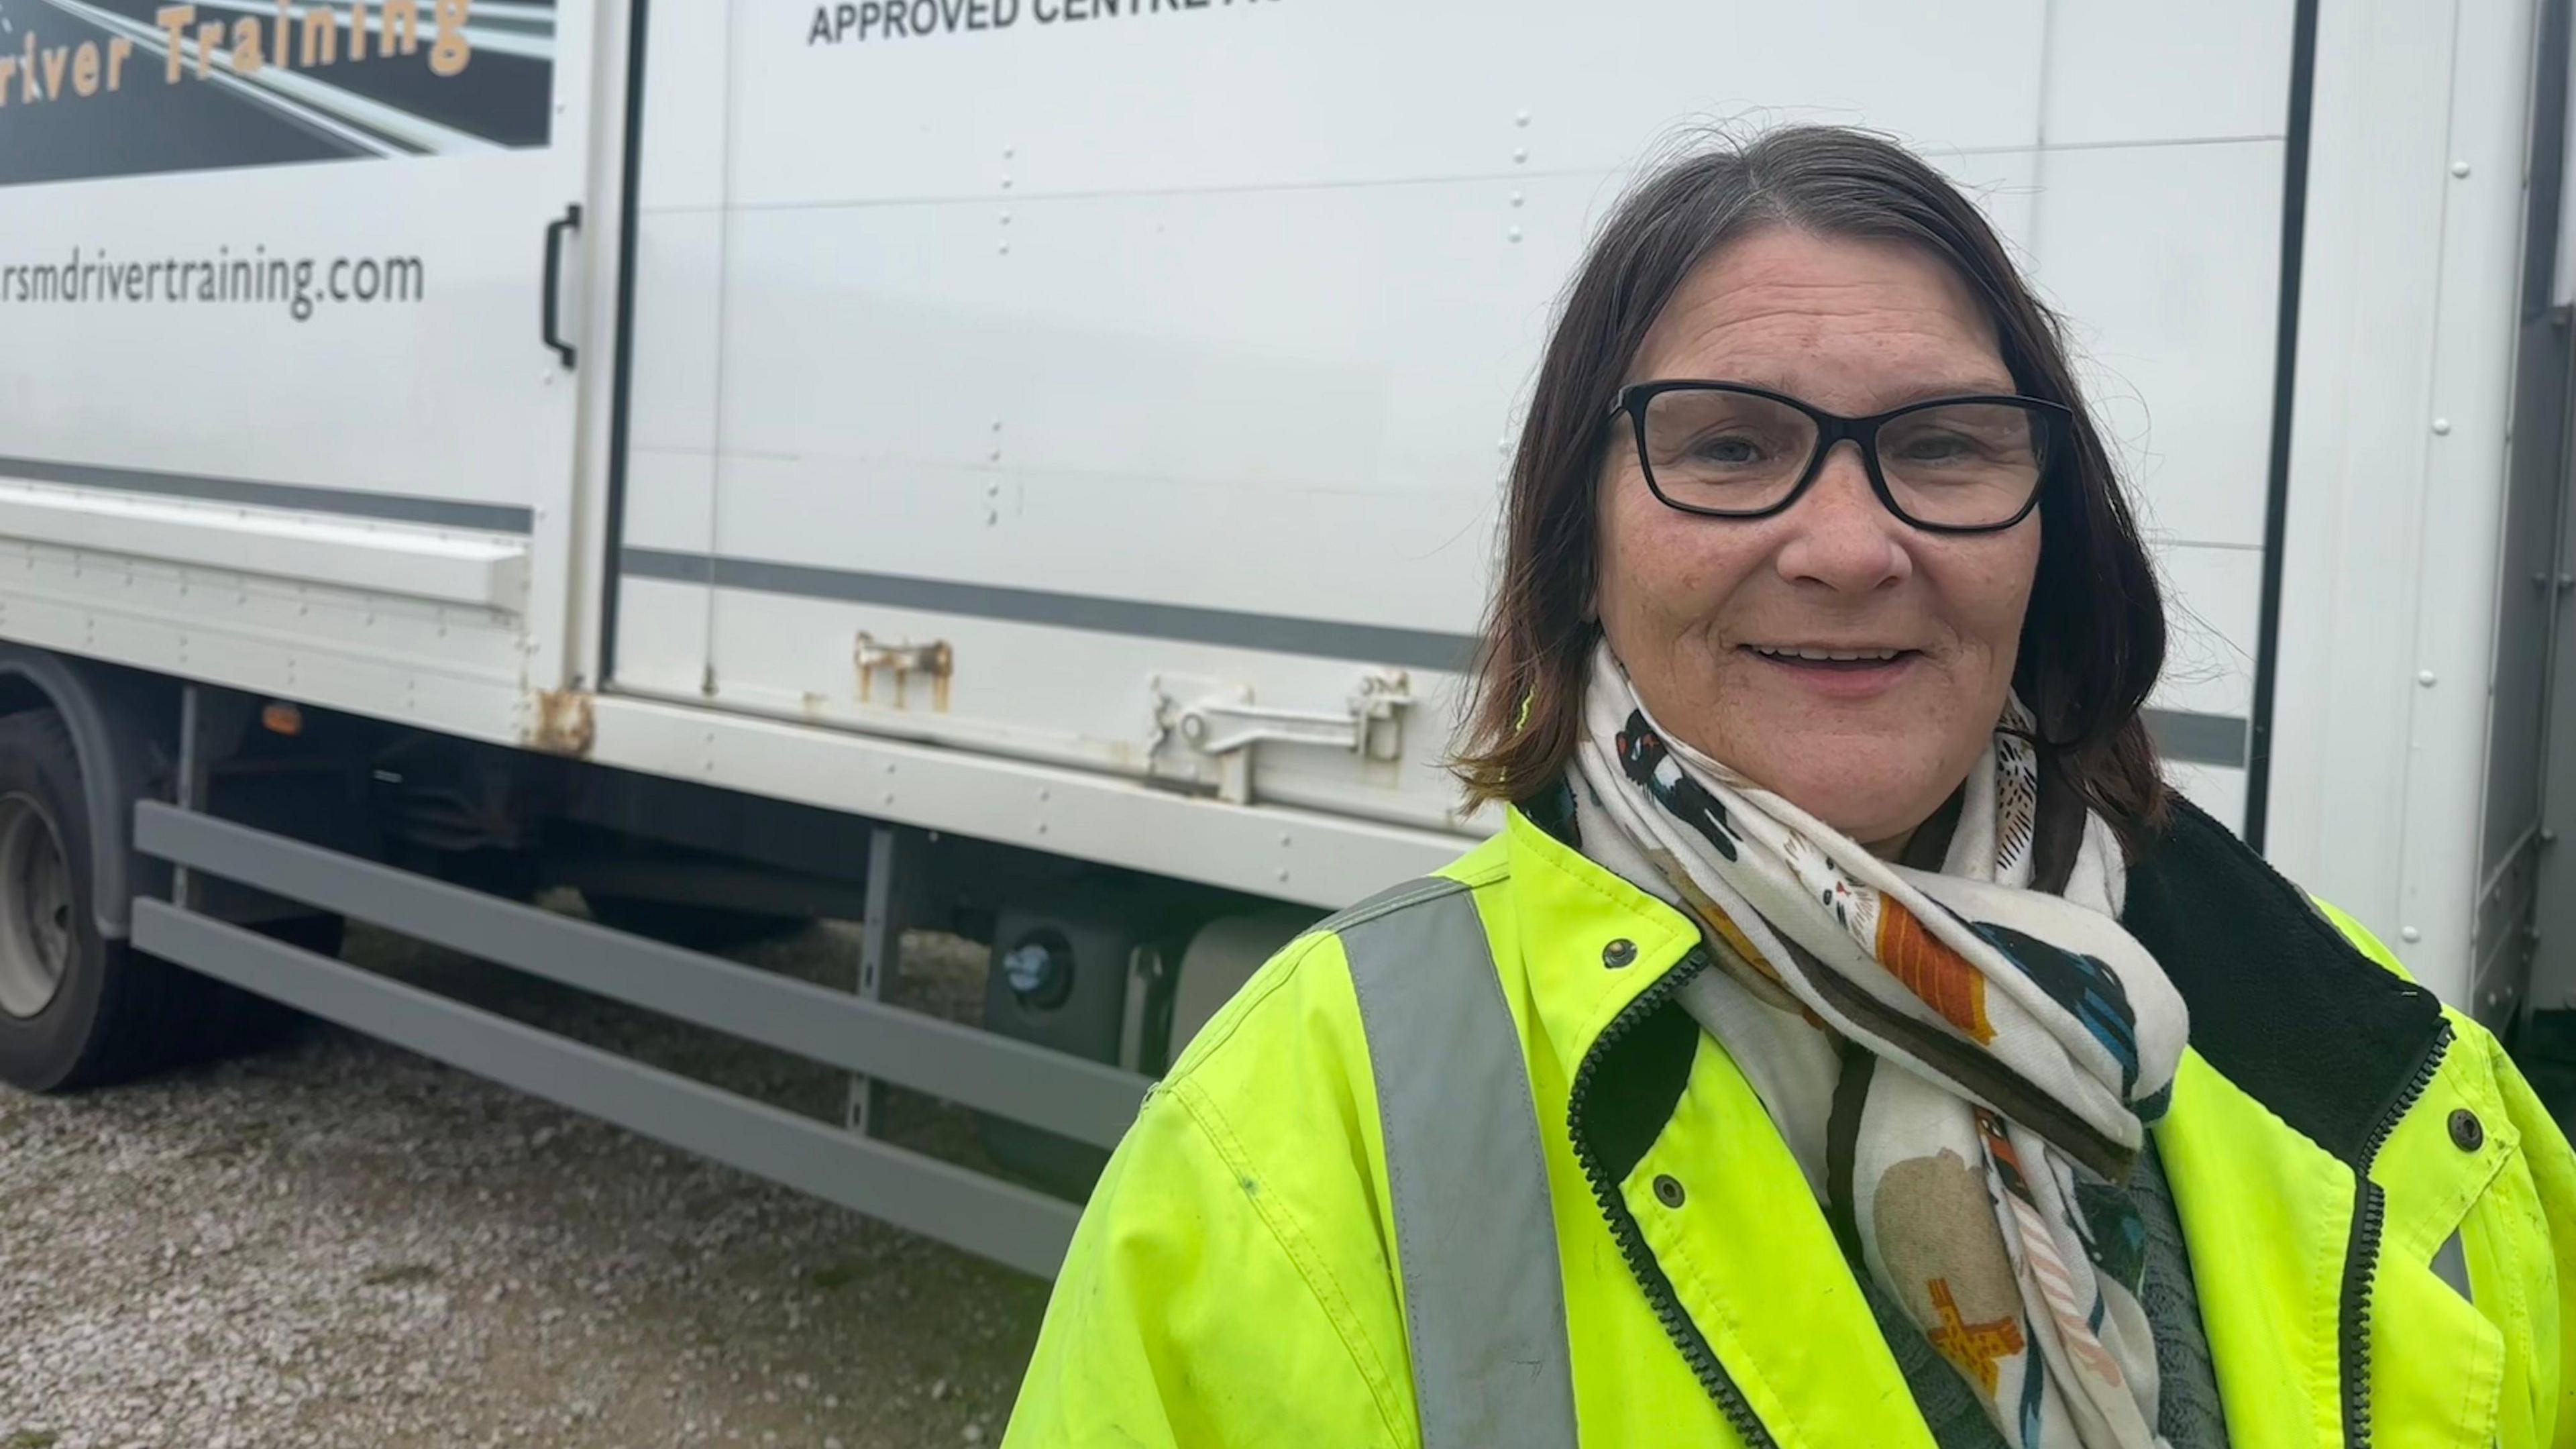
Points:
[(639, 25), (2276, 502)]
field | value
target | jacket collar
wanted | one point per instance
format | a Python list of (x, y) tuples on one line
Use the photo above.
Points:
[(2282, 1004), (1590, 943)]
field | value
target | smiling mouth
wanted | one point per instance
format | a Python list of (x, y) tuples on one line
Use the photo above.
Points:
[(1800, 656)]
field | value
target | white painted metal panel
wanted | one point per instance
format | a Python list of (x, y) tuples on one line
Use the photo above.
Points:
[(1324, 375), (278, 480), (439, 666), (1256, 350), (792, 657), (2198, 70), (662, 637), (2212, 613), (2470, 407), (1289, 854), (2166, 261), (2406, 322), (450, 396), (1299, 93), (486, 570), (670, 498), (690, 66), (679, 277)]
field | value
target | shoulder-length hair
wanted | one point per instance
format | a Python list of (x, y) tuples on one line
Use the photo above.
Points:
[(2094, 638)]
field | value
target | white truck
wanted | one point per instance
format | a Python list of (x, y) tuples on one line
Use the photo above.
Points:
[(1031, 466)]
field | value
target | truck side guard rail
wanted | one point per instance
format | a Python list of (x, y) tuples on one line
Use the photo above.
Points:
[(1003, 1221)]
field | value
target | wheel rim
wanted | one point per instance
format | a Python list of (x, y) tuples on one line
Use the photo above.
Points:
[(36, 925)]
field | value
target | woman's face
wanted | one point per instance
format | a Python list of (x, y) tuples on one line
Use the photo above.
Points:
[(1705, 612)]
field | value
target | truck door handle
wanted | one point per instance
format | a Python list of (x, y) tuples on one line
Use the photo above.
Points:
[(552, 301)]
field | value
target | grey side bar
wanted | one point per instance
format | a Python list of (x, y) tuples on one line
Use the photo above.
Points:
[(1275, 633), (1009, 1224), (392, 507), (1467, 1173), (1054, 1090)]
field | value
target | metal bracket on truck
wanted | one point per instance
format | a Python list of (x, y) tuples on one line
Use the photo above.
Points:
[(1223, 724)]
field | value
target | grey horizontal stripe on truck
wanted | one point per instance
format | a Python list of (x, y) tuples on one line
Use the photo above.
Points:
[(2200, 739), (392, 507), (1272, 633)]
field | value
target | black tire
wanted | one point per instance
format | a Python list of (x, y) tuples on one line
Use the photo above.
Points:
[(114, 1013), (103, 1020), (679, 923)]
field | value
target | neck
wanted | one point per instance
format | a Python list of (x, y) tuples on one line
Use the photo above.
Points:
[(1924, 843)]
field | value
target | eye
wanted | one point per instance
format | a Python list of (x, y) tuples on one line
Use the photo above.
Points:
[(1730, 449), (1937, 447)]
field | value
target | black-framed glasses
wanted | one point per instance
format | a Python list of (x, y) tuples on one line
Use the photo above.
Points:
[(1969, 464)]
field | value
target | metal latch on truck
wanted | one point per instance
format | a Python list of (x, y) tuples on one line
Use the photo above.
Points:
[(1219, 723)]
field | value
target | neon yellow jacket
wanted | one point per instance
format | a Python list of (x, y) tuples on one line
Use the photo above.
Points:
[(2333, 1133)]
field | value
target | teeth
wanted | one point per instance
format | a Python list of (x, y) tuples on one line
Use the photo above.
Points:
[(1843, 656)]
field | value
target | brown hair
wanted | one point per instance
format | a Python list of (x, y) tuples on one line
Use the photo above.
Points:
[(2093, 640)]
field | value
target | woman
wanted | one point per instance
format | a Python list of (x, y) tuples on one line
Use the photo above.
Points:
[(1849, 1040)]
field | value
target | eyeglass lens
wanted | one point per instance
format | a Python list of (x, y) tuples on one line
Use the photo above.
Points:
[(1958, 465)]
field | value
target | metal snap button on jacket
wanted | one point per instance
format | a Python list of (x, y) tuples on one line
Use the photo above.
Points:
[(2467, 1132)]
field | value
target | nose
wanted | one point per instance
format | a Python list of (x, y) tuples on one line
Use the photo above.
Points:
[(1839, 535)]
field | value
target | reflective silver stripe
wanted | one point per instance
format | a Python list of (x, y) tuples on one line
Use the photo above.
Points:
[(2451, 1265), (1475, 1238)]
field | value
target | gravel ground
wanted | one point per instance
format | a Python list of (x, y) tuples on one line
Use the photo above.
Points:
[(339, 1243)]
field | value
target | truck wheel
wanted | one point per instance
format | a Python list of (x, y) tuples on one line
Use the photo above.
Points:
[(68, 1009), (78, 1010)]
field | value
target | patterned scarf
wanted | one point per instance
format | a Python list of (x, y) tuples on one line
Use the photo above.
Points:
[(1964, 1066)]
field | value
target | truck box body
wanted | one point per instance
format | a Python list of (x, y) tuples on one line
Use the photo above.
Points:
[(1078, 424)]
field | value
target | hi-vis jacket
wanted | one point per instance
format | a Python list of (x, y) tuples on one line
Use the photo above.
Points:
[(1454, 1171)]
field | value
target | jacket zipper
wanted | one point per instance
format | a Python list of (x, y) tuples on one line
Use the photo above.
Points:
[(1623, 1225), (2361, 1257)]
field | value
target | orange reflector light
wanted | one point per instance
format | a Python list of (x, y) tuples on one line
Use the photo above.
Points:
[(281, 718)]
